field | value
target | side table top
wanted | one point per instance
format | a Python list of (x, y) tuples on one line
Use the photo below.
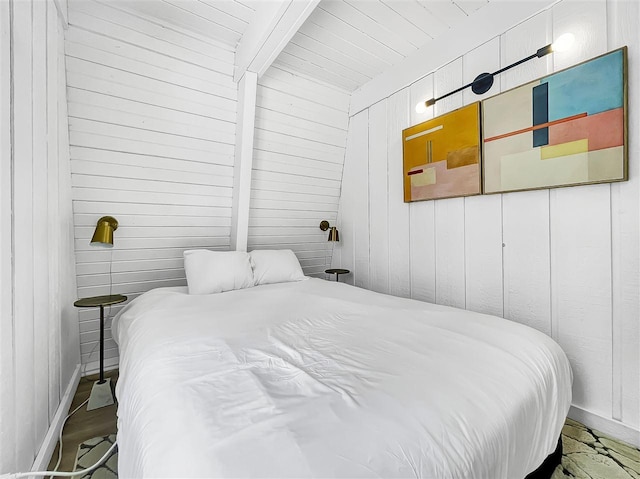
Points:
[(100, 301), (337, 271)]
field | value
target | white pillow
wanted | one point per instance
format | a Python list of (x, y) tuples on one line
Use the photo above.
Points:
[(275, 266), (217, 271)]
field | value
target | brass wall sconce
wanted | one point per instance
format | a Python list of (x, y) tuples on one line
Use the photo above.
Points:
[(103, 234), (483, 82), (333, 231)]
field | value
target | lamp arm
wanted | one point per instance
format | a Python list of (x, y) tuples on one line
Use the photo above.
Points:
[(519, 62), (452, 92), (539, 54)]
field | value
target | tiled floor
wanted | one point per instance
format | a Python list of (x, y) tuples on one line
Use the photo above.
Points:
[(89, 452), (589, 454)]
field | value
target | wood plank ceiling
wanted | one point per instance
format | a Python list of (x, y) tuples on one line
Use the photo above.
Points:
[(224, 21), (345, 43)]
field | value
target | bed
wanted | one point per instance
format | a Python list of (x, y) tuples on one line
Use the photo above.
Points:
[(322, 379)]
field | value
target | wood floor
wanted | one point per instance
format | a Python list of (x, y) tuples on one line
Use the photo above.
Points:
[(85, 424)]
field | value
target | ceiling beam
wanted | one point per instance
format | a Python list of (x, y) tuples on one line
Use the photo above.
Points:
[(274, 24)]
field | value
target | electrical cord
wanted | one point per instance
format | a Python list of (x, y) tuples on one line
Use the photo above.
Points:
[(55, 472), (17, 475), (55, 469)]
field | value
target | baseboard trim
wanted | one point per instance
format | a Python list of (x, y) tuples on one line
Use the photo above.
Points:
[(51, 439), (611, 427)]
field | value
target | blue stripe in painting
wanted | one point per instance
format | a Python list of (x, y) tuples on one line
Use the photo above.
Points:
[(540, 114)]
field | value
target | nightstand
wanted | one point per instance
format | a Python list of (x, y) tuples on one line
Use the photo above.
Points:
[(337, 272), (101, 394)]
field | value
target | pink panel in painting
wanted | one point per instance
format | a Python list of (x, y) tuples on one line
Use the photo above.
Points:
[(603, 130)]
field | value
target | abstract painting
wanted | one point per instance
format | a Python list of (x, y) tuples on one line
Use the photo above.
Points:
[(568, 128), (441, 157)]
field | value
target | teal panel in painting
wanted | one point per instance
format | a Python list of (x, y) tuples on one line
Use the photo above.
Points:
[(592, 87)]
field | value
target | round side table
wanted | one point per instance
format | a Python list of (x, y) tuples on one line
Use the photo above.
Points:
[(337, 272), (101, 394)]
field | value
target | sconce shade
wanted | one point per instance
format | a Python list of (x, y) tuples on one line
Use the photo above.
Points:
[(103, 234), (333, 231)]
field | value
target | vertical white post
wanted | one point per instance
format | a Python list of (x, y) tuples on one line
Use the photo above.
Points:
[(7, 367), (247, 88)]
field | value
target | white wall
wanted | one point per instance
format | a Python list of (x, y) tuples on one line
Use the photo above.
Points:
[(299, 145), (564, 261), (152, 114), (39, 352)]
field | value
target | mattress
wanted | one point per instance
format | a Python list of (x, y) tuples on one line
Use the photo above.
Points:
[(323, 379)]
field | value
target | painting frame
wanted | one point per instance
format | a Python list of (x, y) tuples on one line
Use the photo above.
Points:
[(579, 146), (444, 158)]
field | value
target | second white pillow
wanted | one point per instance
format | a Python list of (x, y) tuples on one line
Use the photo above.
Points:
[(275, 266)]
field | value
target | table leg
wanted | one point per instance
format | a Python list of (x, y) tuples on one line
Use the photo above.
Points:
[(101, 344)]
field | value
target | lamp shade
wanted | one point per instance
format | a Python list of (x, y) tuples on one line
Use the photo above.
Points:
[(103, 235), (333, 234)]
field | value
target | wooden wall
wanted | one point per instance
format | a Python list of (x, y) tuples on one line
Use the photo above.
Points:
[(39, 352), (564, 261), (299, 145), (152, 114)]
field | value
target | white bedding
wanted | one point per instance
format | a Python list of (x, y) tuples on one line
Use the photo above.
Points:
[(322, 379)]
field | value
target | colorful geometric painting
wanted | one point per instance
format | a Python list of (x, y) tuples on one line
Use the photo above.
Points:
[(568, 128), (441, 157)]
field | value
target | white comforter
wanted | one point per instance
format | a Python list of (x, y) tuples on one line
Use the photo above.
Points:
[(321, 379)]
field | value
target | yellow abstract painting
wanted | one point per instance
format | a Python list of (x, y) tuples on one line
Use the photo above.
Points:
[(441, 157)]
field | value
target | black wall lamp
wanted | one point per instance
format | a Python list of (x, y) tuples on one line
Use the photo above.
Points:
[(483, 82)]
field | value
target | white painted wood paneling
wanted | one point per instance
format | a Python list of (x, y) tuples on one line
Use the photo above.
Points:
[(299, 148), (41, 293), (54, 243), (580, 230), (399, 227), (483, 254), (357, 145), (38, 356), (526, 268), (69, 357), (152, 114), (449, 246), (361, 208), (423, 250), (378, 199), (7, 344), (564, 261), (23, 248)]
